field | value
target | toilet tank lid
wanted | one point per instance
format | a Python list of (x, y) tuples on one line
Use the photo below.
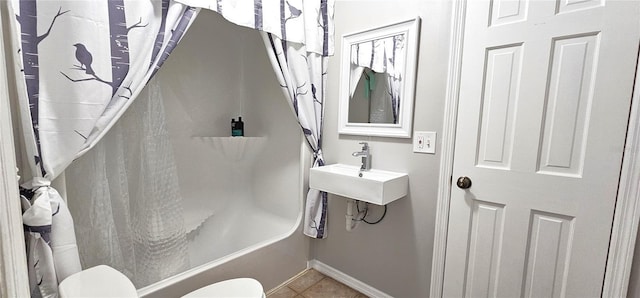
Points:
[(238, 287), (98, 281)]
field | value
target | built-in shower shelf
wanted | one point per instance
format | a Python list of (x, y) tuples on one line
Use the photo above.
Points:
[(235, 148)]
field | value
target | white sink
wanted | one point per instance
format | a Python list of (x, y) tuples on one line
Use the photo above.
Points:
[(375, 186)]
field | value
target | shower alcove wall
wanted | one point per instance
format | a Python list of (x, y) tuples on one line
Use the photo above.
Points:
[(242, 197)]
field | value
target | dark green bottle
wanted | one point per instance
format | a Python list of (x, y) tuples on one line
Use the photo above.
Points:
[(237, 127)]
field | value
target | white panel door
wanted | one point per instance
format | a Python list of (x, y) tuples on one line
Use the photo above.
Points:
[(544, 102)]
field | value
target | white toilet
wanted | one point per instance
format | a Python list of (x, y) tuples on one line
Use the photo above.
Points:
[(104, 281)]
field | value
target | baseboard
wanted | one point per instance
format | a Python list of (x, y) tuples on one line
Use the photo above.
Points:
[(286, 282), (346, 279)]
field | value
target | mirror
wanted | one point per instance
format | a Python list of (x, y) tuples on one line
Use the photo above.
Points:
[(377, 84), (371, 99)]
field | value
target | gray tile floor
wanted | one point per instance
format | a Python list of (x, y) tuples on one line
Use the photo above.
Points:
[(313, 284)]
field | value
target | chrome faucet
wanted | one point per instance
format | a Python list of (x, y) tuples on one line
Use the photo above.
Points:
[(366, 156)]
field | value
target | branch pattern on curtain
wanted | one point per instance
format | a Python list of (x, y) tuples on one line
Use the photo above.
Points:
[(80, 64), (299, 21), (382, 56), (302, 76)]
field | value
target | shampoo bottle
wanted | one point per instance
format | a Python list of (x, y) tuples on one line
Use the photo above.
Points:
[(237, 127)]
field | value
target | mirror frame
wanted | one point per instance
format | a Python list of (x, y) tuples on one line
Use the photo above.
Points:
[(411, 29)]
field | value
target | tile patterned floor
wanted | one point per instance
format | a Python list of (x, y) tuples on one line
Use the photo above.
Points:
[(313, 284)]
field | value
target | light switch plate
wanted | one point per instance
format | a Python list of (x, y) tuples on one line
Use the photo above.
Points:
[(424, 142)]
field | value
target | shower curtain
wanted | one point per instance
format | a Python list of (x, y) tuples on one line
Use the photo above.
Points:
[(298, 36), (302, 77), (382, 56), (79, 65)]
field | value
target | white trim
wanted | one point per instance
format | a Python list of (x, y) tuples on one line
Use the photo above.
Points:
[(627, 212), (448, 144), (14, 281), (346, 279)]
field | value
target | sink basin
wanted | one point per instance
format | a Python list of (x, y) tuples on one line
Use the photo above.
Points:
[(375, 186)]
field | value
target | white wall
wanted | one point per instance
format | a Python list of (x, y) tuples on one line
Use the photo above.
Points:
[(395, 255)]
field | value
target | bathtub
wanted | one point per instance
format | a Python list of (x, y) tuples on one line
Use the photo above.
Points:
[(272, 247)]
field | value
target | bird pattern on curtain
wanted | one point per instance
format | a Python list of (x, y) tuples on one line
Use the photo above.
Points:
[(79, 65)]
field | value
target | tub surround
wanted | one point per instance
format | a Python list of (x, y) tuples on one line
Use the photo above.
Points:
[(243, 193)]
